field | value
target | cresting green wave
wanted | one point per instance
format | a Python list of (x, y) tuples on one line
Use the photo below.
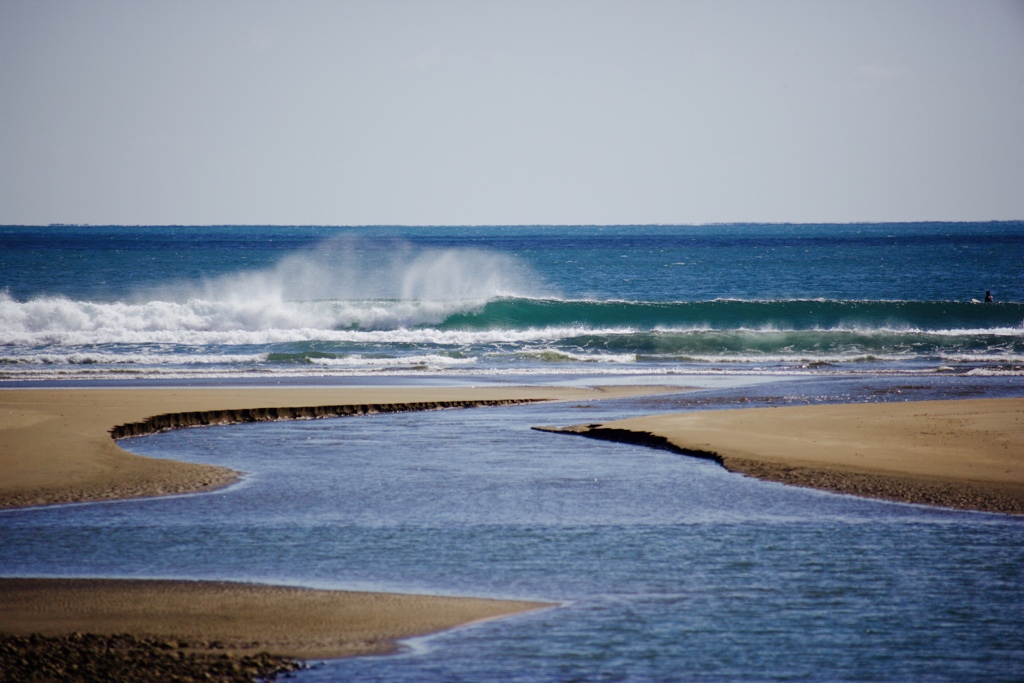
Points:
[(926, 316)]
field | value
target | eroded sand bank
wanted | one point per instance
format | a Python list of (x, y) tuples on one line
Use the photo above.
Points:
[(966, 454)]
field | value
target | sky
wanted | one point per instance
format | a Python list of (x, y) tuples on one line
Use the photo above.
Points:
[(505, 113)]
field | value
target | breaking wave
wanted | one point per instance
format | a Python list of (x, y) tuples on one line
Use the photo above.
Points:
[(338, 310), (639, 326)]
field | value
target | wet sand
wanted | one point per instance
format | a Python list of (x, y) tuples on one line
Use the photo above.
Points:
[(966, 454)]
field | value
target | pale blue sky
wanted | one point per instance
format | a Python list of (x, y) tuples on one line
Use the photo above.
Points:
[(415, 113)]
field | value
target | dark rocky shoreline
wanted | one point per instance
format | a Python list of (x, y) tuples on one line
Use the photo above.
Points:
[(91, 658)]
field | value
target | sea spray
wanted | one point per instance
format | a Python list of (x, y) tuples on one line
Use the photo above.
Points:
[(340, 284), (351, 269)]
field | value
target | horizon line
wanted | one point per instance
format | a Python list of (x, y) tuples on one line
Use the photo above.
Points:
[(501, 225)]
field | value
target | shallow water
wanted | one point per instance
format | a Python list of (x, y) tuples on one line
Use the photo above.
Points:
[(666, 567)]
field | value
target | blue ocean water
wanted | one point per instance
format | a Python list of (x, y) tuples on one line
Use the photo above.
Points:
[(664, 568), (233, 302)]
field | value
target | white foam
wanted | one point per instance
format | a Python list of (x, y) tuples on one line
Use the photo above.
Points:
[(58, 320), (61, 320), (845, 329), (254, 309), (341, 284), (717, 368), (129, 358), (555, 355), (359, 361)]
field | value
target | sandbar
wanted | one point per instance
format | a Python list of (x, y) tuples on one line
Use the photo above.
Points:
[(237, 617), (56, 445), (966, 454)]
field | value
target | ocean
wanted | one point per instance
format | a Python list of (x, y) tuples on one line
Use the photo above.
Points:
[(664, 568), (103, 303)]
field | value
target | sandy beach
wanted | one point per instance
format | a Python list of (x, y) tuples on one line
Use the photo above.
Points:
[(966, 454)]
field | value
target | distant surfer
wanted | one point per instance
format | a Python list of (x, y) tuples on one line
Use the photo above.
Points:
[(988, 297)]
